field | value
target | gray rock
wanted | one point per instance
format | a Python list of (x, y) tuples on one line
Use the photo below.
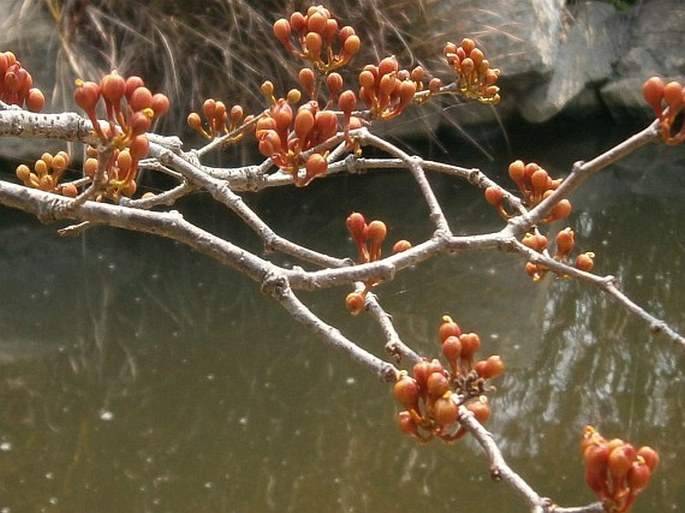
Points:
[(585, 56), (555, 56)]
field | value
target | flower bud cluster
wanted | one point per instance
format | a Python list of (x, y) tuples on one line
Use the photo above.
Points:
[(368, 238), (118, 173), (615, 470), (565, 244), (286, 135), (317, 37), (16, 84), (218, 120), (130, 108), (386, 89), (668, 101), (431, 396), (46, 174), (475, 79), (535, 185)]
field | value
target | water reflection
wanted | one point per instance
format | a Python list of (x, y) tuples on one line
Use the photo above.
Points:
[(138, 376)]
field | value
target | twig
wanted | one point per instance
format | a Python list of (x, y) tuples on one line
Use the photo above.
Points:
[(222, 193), (394, 345), (415, 165), (276, 286)]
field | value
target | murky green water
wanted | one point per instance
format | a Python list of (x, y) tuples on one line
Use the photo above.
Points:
[(138, 376)]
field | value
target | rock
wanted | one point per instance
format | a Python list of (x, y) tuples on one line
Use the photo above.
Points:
[(555, 56), (585, 56), (623, 99), (520, 37)]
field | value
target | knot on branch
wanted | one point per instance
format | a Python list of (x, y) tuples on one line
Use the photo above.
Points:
[(351, 164), (495, 473), (388, 373), (275, 285)]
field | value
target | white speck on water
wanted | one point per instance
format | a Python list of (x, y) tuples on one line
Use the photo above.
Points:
[(351, 380), (50, 476), (53, 501), (106, 416), (243, 421), (5, 446)]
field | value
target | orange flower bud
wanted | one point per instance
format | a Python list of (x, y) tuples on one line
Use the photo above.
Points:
[(620, 460), (407, 91), (494, 367), (388, 65), (313, 42), (160, 104), (673, 94), (356, 225), (401, 245), (194, 121), (113, 88), (334, 81), (494, 195), (352, 45), (326, 124), (560, 211), (297, 22), (451, 348), (653, 93), (304, 122), (585, 261), (316, 165), (638, 477), (468, 45), (269, 143), (354, 303), (132, 83), (347, 101), (539, 180), (124, 161), (406, 391), (316, 22), (517, 171), (141, 98), (470, 344), (406, 423), (377, 231), (650, 456), (139, 147), (480, 409), (23, 172), (282, 30), (86, 96), (565, 242), (437, 384), (35, 100), (445, 411), (448, 328), (69, 190)]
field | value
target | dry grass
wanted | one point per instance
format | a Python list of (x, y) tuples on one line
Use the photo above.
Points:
[(220, 48)]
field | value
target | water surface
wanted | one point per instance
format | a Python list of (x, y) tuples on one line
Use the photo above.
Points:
[(136, 375)]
